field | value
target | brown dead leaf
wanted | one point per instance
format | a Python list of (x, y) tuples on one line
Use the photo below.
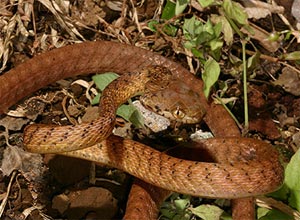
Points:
[(262, 36), (295, 10), (259, 9), (296, 138), (289, 80), (13, 124), (28, 164), (93, 199), (34, 108)]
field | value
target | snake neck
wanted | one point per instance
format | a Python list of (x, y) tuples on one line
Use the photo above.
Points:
[(48, 139), (150, 79)]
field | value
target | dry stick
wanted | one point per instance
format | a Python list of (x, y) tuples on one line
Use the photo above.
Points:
[(33, 20), (4, 201), (136, 19), (270, 203), (245, 86), (229, 112), (261, 56)]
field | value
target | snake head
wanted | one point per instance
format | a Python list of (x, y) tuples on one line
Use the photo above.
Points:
[(176, 102)]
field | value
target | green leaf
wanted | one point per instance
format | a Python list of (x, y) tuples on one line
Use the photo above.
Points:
[(253, 61), (226, 28), (210, 75), (125, 111), (235, 11), (181, 204), (217, 29), (168, 11), (274, 36), (209, 28), (137, 119), (216, 46), (182, 217), (207, 212), (197, 53), (226, 216), (204, 37), (96, 99), (276, 214), (189, 45), (262, 212), (102, 80), (292, 56), (191, 27), (168, 212), (207, 33), (130, 113), (206, 3), (151, 25), (281, 193), (288, 36), (180, 6), (170, 30), (292, 180)]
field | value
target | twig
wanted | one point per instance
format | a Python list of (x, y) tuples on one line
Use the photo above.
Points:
[(228, 110), (270, 203), (136, 19), (245, 86), (4, 201)]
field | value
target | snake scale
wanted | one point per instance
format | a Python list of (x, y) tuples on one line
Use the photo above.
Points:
[(243, 167)]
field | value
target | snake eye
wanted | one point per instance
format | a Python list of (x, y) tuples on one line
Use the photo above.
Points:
[(178, 113)]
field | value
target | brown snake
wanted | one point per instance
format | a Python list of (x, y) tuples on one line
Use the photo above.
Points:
[(251, 168), (56, 139)]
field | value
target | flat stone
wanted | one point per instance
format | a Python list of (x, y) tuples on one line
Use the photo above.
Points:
[(95, 200)]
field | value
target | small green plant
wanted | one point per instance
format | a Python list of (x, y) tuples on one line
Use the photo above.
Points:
[(180, 207), (290, 191), (206, 39)]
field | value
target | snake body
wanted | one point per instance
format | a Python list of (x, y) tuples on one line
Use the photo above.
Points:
[(56, 139), (243, 167), (252, 166)]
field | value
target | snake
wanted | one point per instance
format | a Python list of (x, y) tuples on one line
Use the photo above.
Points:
[(242, 167), (150, 81)]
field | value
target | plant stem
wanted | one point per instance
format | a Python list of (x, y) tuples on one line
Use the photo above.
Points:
[(245, 86), (228, 110)]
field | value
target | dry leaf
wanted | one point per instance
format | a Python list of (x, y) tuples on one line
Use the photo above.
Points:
[(289, 80), (15, 158), (258, 9), (263, 37), (13, 124), (296, 10), (152, 120)]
